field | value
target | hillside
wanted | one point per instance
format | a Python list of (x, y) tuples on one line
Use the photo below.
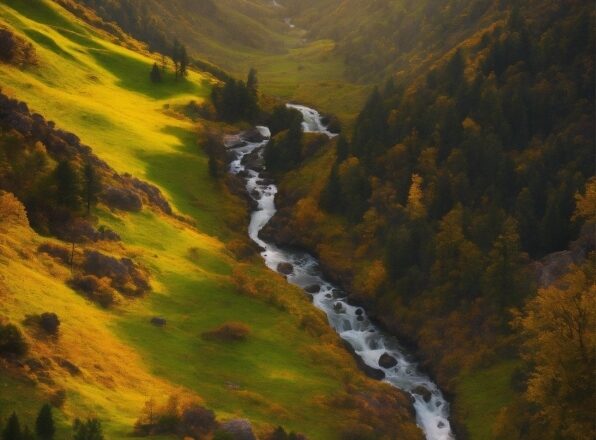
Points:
[(239, 35), (107, 362), (453, 205)]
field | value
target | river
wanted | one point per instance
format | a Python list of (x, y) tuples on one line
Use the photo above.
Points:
[(351, 322)]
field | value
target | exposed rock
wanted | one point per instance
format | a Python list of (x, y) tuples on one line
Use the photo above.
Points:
[(158, 321), (239, 429), (387, 361), (255, 194), (359, 312), (253, 135), (285, 268), (422, 391), (374, 373), (315, 288), (338, 307)]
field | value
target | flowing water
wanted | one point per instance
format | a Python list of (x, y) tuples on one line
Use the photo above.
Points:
[(351, 322)]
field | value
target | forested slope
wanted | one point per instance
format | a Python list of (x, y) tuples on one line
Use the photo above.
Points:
[(433, 208)]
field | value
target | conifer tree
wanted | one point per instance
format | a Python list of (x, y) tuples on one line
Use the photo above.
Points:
[(89, 430), (92, 185), (184, 61), (155, 74), (12, 431), (175, 55), (67, 185), (44, 425), (252, 83)]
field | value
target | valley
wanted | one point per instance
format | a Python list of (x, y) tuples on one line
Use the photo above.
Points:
[(385, 230)]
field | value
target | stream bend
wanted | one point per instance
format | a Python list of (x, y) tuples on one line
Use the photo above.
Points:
[(351, 322)]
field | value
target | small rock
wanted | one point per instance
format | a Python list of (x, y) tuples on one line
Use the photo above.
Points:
[(387, 361), (338, 307), (315, 288), (360, 318), (359, 312), (424, 392), (285, 268), (158, 321)]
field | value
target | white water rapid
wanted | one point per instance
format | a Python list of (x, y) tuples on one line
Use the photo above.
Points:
[(351, 322)]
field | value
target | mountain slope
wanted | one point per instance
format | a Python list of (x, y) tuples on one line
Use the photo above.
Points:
[(288, 372), (454, 189)]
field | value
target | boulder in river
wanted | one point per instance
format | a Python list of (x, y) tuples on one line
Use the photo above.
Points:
[(285, 268), (253, 135), (387, 361), (372, 372), (315, 288), (423, 392)]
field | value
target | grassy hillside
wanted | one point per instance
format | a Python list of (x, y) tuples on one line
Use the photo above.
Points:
[(238, 35), (283, 375)]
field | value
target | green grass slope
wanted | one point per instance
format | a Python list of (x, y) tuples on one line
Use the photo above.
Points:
[(281, 375)]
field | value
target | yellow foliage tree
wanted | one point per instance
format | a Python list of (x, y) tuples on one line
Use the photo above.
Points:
[(559, 328), (12, 211), (415, 207), (586, 203)]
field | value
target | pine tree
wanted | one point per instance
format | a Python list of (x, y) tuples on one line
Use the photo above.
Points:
[(343, 149), (89, 430), (12, 431), (155, 74), (253, 81), (92, 185), (44, 425), (175, 55), (67, 183), (331, 195), (184, 61)]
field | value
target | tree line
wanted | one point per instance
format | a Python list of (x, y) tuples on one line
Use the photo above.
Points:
[(45, 428), (448, 186)]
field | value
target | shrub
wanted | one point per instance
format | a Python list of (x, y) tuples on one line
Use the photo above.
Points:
[(62, 253), (12, 211), (12, 342), (15, 50), (98, 290), (228, 332), (49, 322), (123, 273), (197, 421), (182, 417)]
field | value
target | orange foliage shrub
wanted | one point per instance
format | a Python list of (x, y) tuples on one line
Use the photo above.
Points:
[(12, 211), (228, 332)]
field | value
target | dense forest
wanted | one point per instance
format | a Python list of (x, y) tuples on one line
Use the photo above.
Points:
[(449, 186)]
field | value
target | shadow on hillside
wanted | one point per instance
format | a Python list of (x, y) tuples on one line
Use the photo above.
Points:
[(184, 175), (49, 43), (42, 12), (133, 75)]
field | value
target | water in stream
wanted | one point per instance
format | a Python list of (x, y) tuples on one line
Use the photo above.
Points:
[(351, 322)]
